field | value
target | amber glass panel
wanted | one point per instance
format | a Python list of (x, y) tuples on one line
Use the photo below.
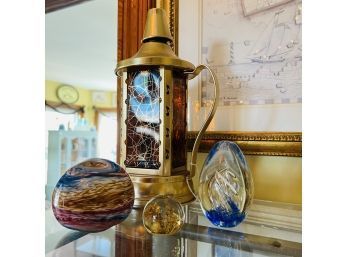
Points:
[(179, 120), (143, 119)]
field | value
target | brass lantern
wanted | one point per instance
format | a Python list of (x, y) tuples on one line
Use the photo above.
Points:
[(153, 115)]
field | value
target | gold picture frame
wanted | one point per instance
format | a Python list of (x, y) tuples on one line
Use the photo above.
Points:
[(172, 8), (253, 143)]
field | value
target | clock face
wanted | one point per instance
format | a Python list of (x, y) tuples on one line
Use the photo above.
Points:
[(67, 94)]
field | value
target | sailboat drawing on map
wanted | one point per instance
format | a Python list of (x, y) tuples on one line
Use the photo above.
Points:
[(258, 60), (278, 42)]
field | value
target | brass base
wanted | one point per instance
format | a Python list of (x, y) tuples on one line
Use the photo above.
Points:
[(146, 187)]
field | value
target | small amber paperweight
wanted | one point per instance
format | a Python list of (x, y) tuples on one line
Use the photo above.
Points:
[(163, 215)]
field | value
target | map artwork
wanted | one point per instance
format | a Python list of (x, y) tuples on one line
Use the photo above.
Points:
[(255, 49)]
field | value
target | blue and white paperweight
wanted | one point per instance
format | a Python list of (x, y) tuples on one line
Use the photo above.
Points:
[(226, 185)]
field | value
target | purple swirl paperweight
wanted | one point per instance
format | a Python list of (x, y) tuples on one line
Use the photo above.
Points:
[(93, 196)]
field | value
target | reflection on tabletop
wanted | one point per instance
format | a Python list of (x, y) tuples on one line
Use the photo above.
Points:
[(130, 239)]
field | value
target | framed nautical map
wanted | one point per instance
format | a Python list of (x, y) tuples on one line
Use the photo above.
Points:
[(255, 48)]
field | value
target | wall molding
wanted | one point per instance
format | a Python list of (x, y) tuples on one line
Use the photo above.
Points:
[(253, 143)]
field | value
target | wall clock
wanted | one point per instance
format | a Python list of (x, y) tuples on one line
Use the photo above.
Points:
[(67, 94)]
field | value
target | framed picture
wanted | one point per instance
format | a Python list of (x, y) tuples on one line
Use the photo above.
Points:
[(99, 97), (257, 57), (257, 106)]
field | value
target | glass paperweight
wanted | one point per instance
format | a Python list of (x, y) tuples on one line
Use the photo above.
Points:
[(163, 215), (92, 196), (226, 185)]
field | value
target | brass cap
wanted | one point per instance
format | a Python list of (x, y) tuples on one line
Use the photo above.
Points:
[(155, 52), (156, 25)]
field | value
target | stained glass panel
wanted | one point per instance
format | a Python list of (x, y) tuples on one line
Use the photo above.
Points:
[(143, 119)]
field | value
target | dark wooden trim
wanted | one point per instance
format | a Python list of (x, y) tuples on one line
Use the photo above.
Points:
[(55, 5), (253, 143), (131, 22)]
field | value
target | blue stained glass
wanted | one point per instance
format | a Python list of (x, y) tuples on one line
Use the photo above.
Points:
[(145, 98), (143, 119)]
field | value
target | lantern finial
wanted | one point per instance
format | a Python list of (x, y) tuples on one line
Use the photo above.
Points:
[(155, 50), (156, 26)]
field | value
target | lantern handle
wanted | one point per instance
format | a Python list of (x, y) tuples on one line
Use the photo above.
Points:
[(192, 75)]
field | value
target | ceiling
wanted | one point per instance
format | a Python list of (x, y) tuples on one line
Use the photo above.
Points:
[(81, 45)]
